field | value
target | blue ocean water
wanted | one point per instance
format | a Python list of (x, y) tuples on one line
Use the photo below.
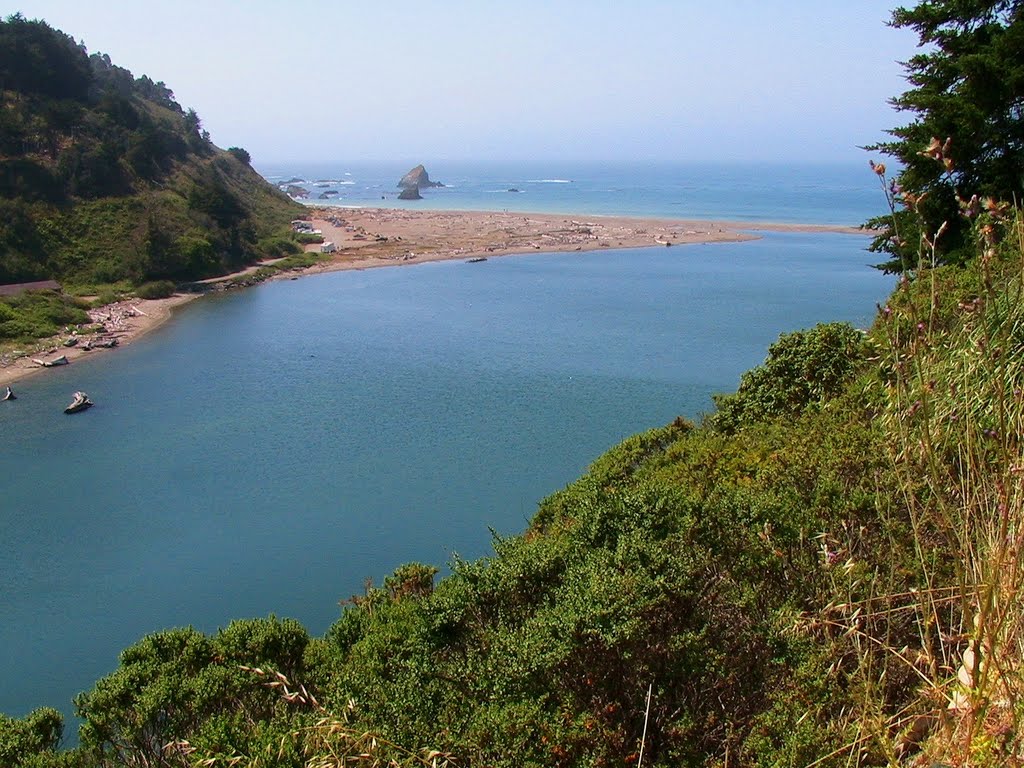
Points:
[(270, 449), (799, 193)]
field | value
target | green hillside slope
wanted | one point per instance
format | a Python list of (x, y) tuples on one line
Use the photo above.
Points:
[(104, 178)]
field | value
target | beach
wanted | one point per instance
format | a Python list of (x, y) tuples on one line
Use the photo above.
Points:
[(372, 237), (376, 237)]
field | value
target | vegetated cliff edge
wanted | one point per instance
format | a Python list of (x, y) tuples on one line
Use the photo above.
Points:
[(105, 178)]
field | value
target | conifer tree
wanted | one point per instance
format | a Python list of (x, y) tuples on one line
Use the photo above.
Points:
[(967, 87)]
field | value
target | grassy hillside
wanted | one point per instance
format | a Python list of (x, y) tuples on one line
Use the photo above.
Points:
[(104, 178)]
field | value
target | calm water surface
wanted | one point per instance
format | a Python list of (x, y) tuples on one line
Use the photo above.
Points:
[(270, 449)]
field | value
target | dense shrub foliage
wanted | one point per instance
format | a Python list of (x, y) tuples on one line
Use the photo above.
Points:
[(803, 369), (38, 313)]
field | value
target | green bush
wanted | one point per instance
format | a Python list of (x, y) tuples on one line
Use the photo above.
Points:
[(159, 289), (182, 684), (107, 296), (276, 247), (26, 741), (802, 369)]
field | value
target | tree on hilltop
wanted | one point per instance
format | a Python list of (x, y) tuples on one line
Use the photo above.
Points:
[(240, 154), (37, 59), (967, 87)]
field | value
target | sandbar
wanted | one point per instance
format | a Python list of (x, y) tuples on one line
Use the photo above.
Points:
[(373, 237), (378, 237)]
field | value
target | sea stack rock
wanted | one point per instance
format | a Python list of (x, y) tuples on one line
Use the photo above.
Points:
[(417, 178), (410, 193)]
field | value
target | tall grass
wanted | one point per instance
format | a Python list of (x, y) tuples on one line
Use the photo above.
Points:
[(939, 640)]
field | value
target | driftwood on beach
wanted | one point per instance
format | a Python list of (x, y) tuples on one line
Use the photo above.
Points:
[(62, 360)]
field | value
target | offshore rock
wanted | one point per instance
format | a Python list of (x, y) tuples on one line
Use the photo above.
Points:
[(410, 193), (417, 178)]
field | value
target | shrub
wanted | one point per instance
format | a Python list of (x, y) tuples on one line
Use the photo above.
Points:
[(276, 247), (159, 289), (35, 314), (802, 369), (23, 742)]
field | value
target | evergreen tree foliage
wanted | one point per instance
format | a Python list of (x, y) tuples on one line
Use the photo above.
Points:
[(967, 86)]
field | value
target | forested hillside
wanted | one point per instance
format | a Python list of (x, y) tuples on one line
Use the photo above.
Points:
[(104, 178)]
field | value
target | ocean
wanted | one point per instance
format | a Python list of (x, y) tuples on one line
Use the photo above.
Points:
[(845, 195), (268, 450)]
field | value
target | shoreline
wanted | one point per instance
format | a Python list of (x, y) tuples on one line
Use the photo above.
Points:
[(368, 238), (127, 321)]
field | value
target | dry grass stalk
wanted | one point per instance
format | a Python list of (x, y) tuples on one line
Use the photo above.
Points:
[(956, 416)]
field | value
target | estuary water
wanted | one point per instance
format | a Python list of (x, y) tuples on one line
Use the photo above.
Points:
[(270, 449)]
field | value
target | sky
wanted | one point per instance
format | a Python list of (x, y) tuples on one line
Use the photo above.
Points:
[(801, 81)]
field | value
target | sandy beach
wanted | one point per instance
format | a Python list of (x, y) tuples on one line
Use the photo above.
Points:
[(376, 237), (373, 237)]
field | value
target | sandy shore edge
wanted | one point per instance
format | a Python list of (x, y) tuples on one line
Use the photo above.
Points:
[(367, 238), (126, 321)]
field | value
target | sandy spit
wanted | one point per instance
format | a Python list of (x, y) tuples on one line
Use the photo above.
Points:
[(379, 237)]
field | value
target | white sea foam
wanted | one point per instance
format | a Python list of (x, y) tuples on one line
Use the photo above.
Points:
[(549, 181)]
